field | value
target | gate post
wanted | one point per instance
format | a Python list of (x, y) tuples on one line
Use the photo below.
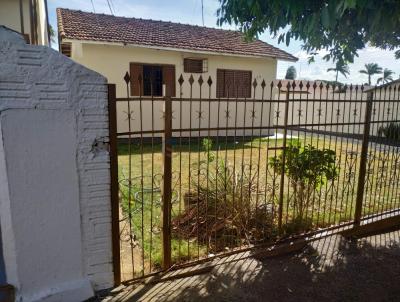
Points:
[(363, 161), (166, 193), (112, 122), (282, 180)]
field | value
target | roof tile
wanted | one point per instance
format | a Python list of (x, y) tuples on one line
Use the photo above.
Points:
[(79, 25)]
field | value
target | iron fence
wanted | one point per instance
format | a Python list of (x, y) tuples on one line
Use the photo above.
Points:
[(199, 176)]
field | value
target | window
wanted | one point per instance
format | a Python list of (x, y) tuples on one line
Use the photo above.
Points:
[(152, 80), (233, 83), (194, 65), (153, 77)]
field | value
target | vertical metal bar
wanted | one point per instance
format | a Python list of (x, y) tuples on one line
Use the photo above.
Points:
[(167, 183), (112, 127), (282, 181), (363, 161), (21, 16)]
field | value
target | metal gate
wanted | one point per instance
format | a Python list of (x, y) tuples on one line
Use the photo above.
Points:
[(196, 176)]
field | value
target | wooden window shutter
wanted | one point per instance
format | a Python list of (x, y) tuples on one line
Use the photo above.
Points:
[(243, 83), (136, 86), (220, 83), (169, 80), (230, 87)]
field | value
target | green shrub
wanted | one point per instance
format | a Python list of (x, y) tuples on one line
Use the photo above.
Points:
[(390, 131), (307, 168)]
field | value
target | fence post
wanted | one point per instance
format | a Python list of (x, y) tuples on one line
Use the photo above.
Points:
[(166, 193), (112, 126), (282, 180), (363, 161)]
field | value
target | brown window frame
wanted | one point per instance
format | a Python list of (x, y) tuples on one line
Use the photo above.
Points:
[(233, 89), (189, 65), (169, 74)]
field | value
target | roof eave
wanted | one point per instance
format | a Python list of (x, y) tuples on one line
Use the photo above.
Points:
[(66, 39)]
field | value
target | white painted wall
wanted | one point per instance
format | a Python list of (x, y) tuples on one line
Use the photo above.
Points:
[(54, 185), (112, 61)]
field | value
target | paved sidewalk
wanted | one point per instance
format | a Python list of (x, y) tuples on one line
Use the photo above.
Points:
[(331, 269)]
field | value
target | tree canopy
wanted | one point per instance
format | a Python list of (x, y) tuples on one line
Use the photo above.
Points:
[(340, 67), (291, 73), (342, 27), (370, 70)]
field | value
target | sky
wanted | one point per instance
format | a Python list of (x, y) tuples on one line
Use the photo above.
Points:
[(189, 11)]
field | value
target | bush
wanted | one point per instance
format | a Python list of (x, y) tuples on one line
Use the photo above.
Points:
[(223, 208), (307, 168), (390, 131)]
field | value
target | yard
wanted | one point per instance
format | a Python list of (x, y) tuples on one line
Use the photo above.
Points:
[(248, 160)]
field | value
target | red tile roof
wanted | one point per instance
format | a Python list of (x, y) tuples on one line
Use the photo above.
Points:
[(78, 25)]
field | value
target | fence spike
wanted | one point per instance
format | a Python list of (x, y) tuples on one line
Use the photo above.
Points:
[(263, 84), (191, 80), (255, 83), (293, 84), (279, 85), (140, 78), (127, 78), (301, 85), (209, 81), (315, 86), (181, 80), (200, 81), (308, 85)]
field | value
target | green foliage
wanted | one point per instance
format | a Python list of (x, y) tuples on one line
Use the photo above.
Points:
[(341, 68), (370, 70), (207, 147), (307, 168), (341, 27), (390, 131), (387, 76), (291, 73), (223, 204)]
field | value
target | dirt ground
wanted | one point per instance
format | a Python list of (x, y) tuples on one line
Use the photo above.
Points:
[(331, 269)]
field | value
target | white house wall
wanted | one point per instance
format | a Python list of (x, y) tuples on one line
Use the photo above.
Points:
[(112, 61)]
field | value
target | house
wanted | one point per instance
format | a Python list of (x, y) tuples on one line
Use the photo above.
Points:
[(160, 52), (28, 17)]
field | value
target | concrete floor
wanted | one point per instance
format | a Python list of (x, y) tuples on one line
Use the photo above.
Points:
[(331, 269)]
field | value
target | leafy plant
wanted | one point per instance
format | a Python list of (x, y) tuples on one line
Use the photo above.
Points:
[(222, 207), (341, 27), (307, 168), (390, 131), (370, 70), (341, 68), (291, 73), (386, 77)]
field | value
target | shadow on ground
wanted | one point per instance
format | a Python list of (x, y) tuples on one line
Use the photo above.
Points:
[(331, 269)]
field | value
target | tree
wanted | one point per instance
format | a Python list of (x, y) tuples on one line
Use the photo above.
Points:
[(341, 68), (370, 70), (341, 27), (387, 76), (291, 73)]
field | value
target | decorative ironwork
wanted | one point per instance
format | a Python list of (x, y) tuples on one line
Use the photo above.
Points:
[(210, 182)]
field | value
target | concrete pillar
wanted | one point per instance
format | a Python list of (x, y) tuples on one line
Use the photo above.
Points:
[(54, 179)]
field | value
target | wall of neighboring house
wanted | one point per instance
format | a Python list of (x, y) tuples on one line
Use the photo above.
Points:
[(113, 61), (10, 17), (55, 229)]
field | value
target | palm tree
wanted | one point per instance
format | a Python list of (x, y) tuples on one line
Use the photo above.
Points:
[(291, 73), (387, 76), (340, 67), (370, 70)]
